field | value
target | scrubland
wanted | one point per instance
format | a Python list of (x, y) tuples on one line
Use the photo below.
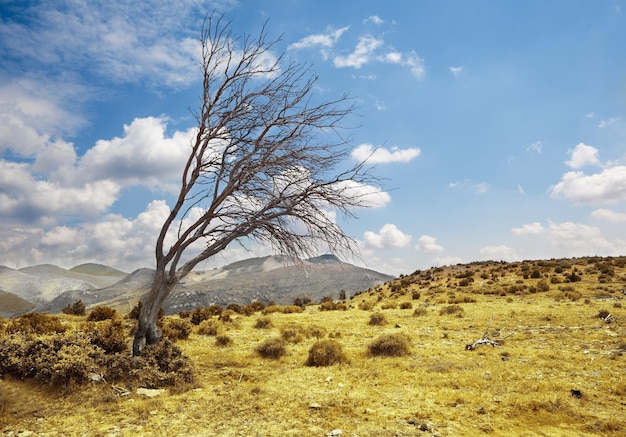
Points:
[(391, 361)]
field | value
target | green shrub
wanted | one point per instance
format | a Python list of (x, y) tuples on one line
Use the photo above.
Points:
[(100, 313), (36, 323), (390, 345), (377, 319), (326, 353), (272, 348), (76, 309)]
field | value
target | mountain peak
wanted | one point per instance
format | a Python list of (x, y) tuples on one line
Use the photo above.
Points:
[(327, 258)]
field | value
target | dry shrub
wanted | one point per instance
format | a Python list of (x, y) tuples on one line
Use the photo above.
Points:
[(377, 319), (406, 306), (450, 310), (389, 305), (110, 336), (415, 295), (420, 312), (252, 307), (210, 327), (36, 323), (272, 348), (199, 315), (326, 353), (292, 333), (390, 345), (264, 323), (287, 309), (100, 313), (176, 329), (330, 305), (161, 365), (223, 340), (366, 306), (227, 316), (461, 299)]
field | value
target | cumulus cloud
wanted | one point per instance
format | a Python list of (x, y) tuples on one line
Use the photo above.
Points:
[(369, 195), (375, 19), (428, 244), (498, 253), (608, 215), (382, 155), (583, 155), (608, 186), (529, 229), (389, 236)]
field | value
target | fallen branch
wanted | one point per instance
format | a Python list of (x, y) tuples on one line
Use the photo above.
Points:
[(495, 342)]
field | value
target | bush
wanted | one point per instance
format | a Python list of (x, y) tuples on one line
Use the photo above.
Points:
[(301, 301), (36, 323), (389, 306), (227, 316), (416, 295), (235, 307), (110, 336), (292, 333), (451, 309), (289, 309), (365, 306), (264, 323), (326, 353), (272, 348), (223, 340), (253, 307), (390, 345), (420, 312), (101, 313), (330, 305), (76, 309), (176, 329), (199, 315), (210, 327), (406, 306), (377, 319)]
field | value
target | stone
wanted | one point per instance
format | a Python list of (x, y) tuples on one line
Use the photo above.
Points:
[(150, 392)]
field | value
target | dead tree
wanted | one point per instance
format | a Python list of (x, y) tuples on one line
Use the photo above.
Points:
[(485, 339), (267, 163)]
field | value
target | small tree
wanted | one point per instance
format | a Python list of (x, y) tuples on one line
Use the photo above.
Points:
[(263, 166)]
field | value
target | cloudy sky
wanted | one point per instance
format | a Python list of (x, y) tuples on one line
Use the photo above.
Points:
[(499, 127)]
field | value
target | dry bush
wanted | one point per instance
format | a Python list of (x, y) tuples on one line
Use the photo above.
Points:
[(198, 315), (160, 365), (264, 323), (366, 306), (101, 313), (461, 299), (210, 327), (389, 305), (36, 323), (272, 348), (420, 312), (451, 309), (287, 309), (110, 336), (227, 316), (176, 329), (223, 340), (377, 319), (390, 345), (252, 307), (326, 353), (330, 305), (415, 295), (293, 333), (406, 306)]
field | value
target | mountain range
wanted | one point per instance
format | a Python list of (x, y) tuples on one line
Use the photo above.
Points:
[(48, 288)]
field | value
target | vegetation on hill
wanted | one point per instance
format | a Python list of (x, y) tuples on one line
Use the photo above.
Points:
[(546, 358)]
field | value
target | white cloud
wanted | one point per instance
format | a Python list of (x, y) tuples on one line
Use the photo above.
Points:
[(609, 215), (370, 196), (456, 71), (606, 123), (498, 253), (361, 55), (324, 40), (583, 155), (374, 19), (381, 155), (476, 187), (389, 236), (529, 229), (608, 186), (447, 260), (428, 244), (536, 147), (416, 65)]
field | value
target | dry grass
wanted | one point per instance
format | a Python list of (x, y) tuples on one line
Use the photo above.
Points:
[(523, 387)]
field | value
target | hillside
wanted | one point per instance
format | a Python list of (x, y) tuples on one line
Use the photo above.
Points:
[(11, 304), (551, 363)]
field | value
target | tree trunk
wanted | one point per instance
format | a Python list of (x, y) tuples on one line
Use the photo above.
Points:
[(148, 331)]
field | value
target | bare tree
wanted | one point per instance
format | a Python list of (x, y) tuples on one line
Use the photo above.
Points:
[(266, 164)]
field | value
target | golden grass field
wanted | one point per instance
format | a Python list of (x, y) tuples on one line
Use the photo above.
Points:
[(556, 347)]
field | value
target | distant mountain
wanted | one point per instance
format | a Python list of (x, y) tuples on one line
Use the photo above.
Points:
[(12, 305), (273, 278), (42, 283)]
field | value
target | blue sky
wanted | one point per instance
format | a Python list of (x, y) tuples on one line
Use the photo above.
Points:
[(500, 125)]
